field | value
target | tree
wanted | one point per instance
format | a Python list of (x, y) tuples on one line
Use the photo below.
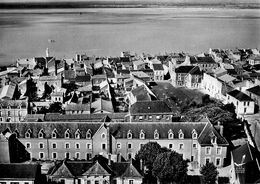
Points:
[(169, 167), (209, 173), (148, 154)]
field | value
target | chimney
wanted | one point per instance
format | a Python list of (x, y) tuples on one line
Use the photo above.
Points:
[(108, 140), (109, 159), (220, 128), (47, 52), (141, 165), (119, 157)]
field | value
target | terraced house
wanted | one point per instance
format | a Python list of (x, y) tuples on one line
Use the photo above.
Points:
[(199, 142)]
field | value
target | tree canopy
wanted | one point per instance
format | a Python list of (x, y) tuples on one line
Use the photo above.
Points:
[(209, 173), (55, 107), (170, 167)]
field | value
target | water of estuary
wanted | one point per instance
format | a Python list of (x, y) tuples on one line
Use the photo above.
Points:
[(107, 32)]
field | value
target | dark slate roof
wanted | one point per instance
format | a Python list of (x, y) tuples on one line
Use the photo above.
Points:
[(19, 171), (124, 59), (13, 103), (85, 78), (150, 107), (250, 154), (157, 66), (255, 90), (69, 74), (206, 59), (49, 127), (120, 130), (239, 95), (123, 71), (207, 133), (82, 117), (195, 71), (184, 69)]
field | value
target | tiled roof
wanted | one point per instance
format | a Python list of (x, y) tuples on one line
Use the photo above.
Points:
[(69, 74), (19, 171), (239, 95), (206, 59), (227, 78), (34, 117), (13, 103), (97, 170), (85, 78), (195, 71), (102, 105), (120, 130), (255, 90), (83, 117), (157, 66), (184, 69), (7, 91), (208, 131), (77, 107), (150, 107)]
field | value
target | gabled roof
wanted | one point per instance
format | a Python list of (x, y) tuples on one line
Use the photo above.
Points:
[(131, 172), (102, 105), (239, 95), (195, 71), (255, 90), (97, 170), (62, 171), (244, 154), (85, 78), (150, 107), (158, 67), (205, 59), (7, 91), (19, 171), (227, 78), (141, 93), (206, 134), (184, 69), (77, 107)]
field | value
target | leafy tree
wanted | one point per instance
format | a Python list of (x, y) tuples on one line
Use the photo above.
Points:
[(47, 91), (209, 173), (169, 167), (56, 107), (31, 90), (148, 153)]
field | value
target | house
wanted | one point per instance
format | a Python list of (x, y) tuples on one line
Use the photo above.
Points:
[(243, 103), (21, 173), (8, 92), (57, 97), (194, 78), (11, 149), (254, 93), (179, 75), (98, 170), (140, 64), (102, 106), (158, 72), (199, 142), (83, 80), (153, 111), (139, 94), (245, 165), (55, 82), (254, 59), (140, 74), (206, 63), (13, 110)]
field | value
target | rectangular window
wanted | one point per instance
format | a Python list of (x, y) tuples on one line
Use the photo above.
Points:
[(41, 145), (208, 150), (28, 145), (77, 145), (244, 103), (129, 156), (129, 145), (141, 145), (77, 155), (170, 146), (88, 156), (54, 155), (88, 182), (248, 103), (207, 160), (194, 145), (244, 110), (218, 150), (67, 155), (181, 146), (218, 162), (131, 181), (54, 145), (67, 145), (191, 158), (89, 146), (96, 181), (118, 145), (41, 155), (103, 146)]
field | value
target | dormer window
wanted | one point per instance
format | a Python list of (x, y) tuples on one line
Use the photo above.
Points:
[(156, 134), (54, 134), (170, 134), (67, 134), (142, 135), (77, 134), (28, 134), (194, 134), (181, 135), (41, 134), (129, 134), (88, 134), (213, 138)]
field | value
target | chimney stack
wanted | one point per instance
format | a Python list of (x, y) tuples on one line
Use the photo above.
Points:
[(141, 165), (109, 159)]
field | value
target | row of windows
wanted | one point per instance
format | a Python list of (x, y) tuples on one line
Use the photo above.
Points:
[(54, 155), (150, 117), (217, 161), (54, 145), (157, 135), (11, 114), (208, 150)]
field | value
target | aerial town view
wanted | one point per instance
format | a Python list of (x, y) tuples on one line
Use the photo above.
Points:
[(129, 92)]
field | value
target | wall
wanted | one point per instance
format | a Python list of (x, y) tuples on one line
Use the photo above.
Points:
[(4, 151)]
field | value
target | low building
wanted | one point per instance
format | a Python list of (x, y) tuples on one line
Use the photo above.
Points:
[(243, 103), (245, 165), (179, 75), (254, 59), (194, 78), (254, 93), (158, 72), (77, 108), (21, 174), (155, 111)]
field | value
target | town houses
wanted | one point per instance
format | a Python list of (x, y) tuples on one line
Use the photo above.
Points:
[(95, 113)]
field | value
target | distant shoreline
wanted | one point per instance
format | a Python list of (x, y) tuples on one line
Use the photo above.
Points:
[(124, 4)]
